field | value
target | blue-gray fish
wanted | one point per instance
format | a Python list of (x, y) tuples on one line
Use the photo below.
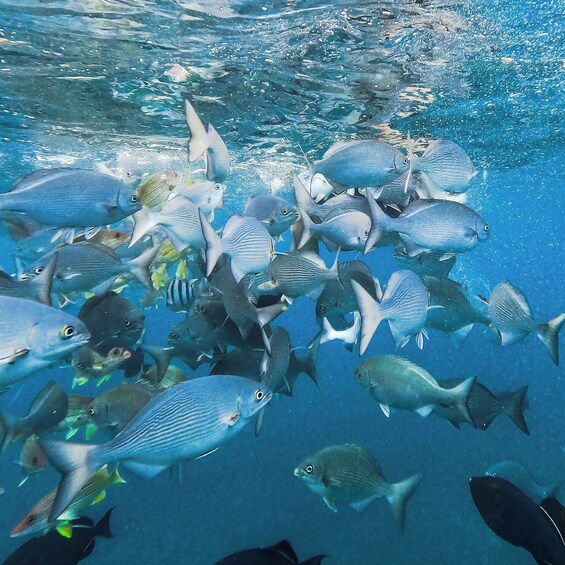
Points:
[(42, 336), (187, 421), (208, 196), (178, 217), (71, 198), (208, 143), (431, 225), (275, 212), (360, 163), (245, 240), (445, 166), (404, 305), (349, 474), (511, 316)]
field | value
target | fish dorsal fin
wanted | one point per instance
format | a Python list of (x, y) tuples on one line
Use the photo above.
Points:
[(285, 549), (37, 176), (555, 513), (519, 297), (5, 276), (93, 302), (335, 148)]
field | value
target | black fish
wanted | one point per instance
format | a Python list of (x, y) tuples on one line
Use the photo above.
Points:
[(54, 549), (512, 516), (279, 554)]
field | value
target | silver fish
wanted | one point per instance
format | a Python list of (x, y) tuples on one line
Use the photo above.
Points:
[(349, 474), (431, 225), (208, 196), (404, 304), (209, 143), (276, 213), (511, 316), (245, 240), (360, 163), (42, 336), (187, 421), (71, 198), (396, 382)]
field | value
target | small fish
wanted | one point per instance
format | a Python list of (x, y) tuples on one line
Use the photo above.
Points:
[(276, 213), (94, 491), (114, 239), (156, 189), (360, 163), (279, 554), (404, 304), (245, 240), (298, 273), (90, 365), (484, 406), (71, 198), (77, 415), (396, 382), (201, 415), (178, 218), (522, 479), (431, 225), (32, 458), (511, 316), (512, 516), (445, 166), (115, 407), (46, 410), (349, 335), (181, 294), (350, 474), (55, 548), (43, 336), (208, 196), (208, 143)]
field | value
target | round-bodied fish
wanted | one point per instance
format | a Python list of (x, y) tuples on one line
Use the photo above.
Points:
[(187, 421), (275, 212)]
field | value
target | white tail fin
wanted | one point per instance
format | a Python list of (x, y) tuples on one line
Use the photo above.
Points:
[(198, 141), (144, 223), (139, 266), (379, 222), (401, 493), (213, 244), (370, 315), (549, 335), (307, 224)]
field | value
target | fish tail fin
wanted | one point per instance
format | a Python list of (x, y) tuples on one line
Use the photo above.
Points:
[(378, 223), (302, 196), (334, 269), (411, 160), (311, 359), (549, 335), (8, 425), (328, 332), (139, 266), (144, 220), (198, 140), (213, 244), (162, 357), (267, 314), (102, 529), (370, 315), (116, 478), (514, 406), (307, 225), (399, 496), (461, 394), (42, 283), (76, 463)]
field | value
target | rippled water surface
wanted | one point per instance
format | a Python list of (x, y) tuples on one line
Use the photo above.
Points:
[(103, 82)]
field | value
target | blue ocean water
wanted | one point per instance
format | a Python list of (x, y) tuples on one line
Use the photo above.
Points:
[(84, 83)]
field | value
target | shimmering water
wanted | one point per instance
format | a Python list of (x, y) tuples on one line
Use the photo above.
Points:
[(84, 83)]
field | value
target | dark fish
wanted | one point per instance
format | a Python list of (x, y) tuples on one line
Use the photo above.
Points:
[(279, 554), (512, 516), (47, 409), (427, 264), (484, 406), (240, 362), (53, 548)]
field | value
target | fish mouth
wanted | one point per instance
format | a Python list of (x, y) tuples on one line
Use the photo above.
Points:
[(297, 472)]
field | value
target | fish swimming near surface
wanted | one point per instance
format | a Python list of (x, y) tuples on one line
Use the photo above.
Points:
[(201, 415), (511, 316), (512, 516), (70, 198), (280, 553), (396, 382), (404, 305), (43, 336), (275, 212), (208, 143), (521, 478), (54, 548), (156, 189), (349, 474)]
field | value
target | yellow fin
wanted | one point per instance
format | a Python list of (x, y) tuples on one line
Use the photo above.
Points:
[(181, 270), (66, 530), (102, 380), (159, 276), (89, 430), (79, 381), (99, 498)]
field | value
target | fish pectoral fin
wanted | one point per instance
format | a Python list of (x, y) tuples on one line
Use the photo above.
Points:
[(232, 420), (144, 470), (330, 504), (99, 498), (425, 411), (362, 504), (208, 453), (385, 409), (11, 359), (447, 256)]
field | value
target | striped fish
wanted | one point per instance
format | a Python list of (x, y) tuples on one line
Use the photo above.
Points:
[(187, 421), (181, 294), (404, 305), (245, 240)]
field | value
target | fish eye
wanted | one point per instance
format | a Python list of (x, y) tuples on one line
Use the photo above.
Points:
[(217, 186), (38, 270), (175, 335), (127, 323), (357, 373), (259, 395), (284, 211), (134, 198), (91, 411), (405, 161), (486, 228), (366, 232), (321, 308), (30, 520), (80, 366), (309, 469), (67, 332)]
